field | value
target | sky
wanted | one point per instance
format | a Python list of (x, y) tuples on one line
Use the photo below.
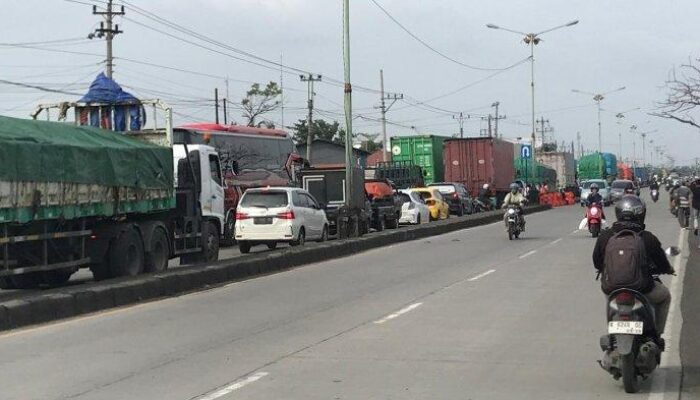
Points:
[(630, 43)]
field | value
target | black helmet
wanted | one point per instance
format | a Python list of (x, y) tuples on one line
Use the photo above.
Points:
[(594, 186), (631, 208)]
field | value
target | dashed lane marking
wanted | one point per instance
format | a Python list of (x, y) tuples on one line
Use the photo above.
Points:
[(398, 313), (227, 389)]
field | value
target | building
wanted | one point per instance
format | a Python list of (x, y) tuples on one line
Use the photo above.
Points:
[(326, 153)]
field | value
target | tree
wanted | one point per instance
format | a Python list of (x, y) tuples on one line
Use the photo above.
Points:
[(322, 129), (258, 102), (683, 96)]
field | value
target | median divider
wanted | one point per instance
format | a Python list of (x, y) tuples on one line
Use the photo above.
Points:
[(70, 301)]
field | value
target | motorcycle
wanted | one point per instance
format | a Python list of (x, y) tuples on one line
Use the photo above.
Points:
[(632, 346), (514, 222), (683, 212), (655, 195), (481, 206), (594, 216)]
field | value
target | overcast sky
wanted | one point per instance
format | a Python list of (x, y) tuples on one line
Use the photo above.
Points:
[(631, 43)]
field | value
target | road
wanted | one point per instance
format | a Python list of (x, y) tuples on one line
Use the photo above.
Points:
[(466, 315)]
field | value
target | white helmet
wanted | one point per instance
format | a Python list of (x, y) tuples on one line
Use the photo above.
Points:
[(486, 186)]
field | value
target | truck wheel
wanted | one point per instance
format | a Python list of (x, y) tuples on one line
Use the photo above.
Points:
[(158, 254), (381, 224), (211, 243), (31, 280), (393, 223), (126, 256), (244, 247), (57, 277)]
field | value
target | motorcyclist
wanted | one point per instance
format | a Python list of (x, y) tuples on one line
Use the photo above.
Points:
[(631, 212), (594, 196), (515, 198), (695, 190), (485, 196), (682, 191), (654, 185), (672, 194)]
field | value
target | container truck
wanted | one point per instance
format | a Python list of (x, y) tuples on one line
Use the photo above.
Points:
[(610, 161), (403, 174), (563, 164), (476, 161), (81, 197), (624, 172), (598, 166), (641, 174), (424, 151)]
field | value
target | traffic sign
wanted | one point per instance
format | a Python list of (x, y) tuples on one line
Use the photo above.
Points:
[(526, 151)]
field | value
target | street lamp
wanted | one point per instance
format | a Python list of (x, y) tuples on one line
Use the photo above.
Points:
[(619, 117), (598, 97), (532, 39)]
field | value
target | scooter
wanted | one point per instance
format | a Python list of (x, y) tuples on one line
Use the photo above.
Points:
[(594, 216), (632, 346), (514, 222), (655, 195), (683, 212)]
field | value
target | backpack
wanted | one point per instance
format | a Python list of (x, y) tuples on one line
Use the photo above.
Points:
[(626, 264)]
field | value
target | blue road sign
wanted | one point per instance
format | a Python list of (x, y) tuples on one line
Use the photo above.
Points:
[(526, 151)]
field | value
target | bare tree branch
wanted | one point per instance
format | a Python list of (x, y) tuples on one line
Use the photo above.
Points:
[(683, 96), (259, 102)]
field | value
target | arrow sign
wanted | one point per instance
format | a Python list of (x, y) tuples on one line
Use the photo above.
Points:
[(526, 151)]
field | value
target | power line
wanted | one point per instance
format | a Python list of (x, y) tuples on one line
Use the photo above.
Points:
[(428, 46)]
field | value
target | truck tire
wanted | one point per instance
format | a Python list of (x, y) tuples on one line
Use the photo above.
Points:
[(57, 277), (126, 255), (381, 224), (393, 223), (210, 244), (158, 254)]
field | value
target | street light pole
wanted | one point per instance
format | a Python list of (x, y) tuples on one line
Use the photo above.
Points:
[(598, 97)]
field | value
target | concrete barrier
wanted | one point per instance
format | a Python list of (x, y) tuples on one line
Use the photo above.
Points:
[(91, 297)]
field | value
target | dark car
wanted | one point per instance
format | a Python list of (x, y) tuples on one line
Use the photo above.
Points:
[(457, 197), (618, 187)]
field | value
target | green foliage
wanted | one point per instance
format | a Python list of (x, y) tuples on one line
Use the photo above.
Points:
[(260, 101), (321, 129)]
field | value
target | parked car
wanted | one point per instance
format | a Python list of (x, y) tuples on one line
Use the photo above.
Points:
[(603, 189), (618, 187), (414, 210), (457, 197), (437, 205), (279, 214)]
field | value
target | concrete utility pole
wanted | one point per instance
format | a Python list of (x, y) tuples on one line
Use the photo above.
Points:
[(497, 117), (347, 103), (310, 79), (216, 105), (225, 113), (543, 130), (388, 96), (460, 119), (578, 142), (107, 30)]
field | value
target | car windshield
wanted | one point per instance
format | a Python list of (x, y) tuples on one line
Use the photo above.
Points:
[(587, 184), (271, 199), (621, 185), (446, 189)]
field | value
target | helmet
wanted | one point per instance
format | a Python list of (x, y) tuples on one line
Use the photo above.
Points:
[(594, 186), (514, 187), (631, 208), (486, 186), (676, 184)]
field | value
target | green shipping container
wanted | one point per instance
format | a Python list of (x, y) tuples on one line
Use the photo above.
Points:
[(424, 151), (533, 172), (591, 166)]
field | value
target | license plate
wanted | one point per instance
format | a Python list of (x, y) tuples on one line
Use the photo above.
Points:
[(626, 327), (262, 220)]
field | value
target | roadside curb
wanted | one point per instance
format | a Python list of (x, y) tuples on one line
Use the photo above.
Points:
[(66, 302)]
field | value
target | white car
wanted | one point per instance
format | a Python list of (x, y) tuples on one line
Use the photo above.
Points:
[(279, 214), (414, 210)]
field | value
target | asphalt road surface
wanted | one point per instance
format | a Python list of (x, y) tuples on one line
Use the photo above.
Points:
[(466, 315)]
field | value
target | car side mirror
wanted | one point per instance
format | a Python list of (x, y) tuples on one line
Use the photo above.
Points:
[(673, 251)]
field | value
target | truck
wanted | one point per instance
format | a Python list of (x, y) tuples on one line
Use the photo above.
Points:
[(327, 185), (424, 151), (403, 174), (597, 166), (476, 161), (76, 197), (384, 202), (563, 164), (641, 174)]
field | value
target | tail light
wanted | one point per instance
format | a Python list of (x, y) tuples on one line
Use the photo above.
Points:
[(455, 195), (625, 299), (286, 215), (241, 216)]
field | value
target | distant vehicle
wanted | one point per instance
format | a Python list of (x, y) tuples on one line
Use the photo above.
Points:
[(386, 205), (457, 197), (279, 214), (414, 210), (603, 189), (437, 205), (618, 187)]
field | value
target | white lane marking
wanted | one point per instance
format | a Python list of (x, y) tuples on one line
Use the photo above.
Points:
[(528, 254), (398, 313), (481, 275), (557, 241), (667, 380), (224, 390)]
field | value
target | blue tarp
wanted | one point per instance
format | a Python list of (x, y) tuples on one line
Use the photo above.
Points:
[(106, 91)]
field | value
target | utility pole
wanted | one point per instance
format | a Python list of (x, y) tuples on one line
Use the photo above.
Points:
[(497, 117), (310, 79), (107, 30), (216, 105), (578, 141), (227, 97), (384, 108), (460, 119), (225, 113), (347, 103), (489, 125), (542, 121), (281, 93)]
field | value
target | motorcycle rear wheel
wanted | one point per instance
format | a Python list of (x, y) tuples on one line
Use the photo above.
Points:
[(629, 373), (595, 230)]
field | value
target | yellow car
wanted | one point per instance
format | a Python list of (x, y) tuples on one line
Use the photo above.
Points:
[(439, 209)]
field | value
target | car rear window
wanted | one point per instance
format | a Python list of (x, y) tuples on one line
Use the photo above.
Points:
[(621, 185), (447, 189), (404, 198), (271, 199), (587, 185), (425, 195)]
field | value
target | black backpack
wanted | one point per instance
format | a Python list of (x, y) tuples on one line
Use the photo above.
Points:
[(626, 264)]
